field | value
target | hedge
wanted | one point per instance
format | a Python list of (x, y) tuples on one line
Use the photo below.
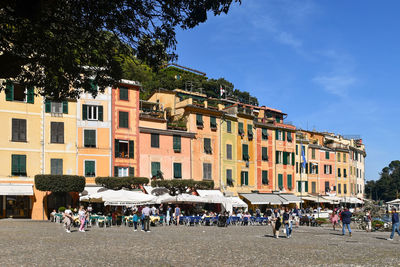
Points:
[(60, 183), (117, 183), (178, 186)]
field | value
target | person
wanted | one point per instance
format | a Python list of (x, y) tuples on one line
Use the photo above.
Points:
[(287, 222), (135, 220), (168, 216), (146, 211), (82, 219), (68, 219), (334, 220), (395, 224), (368, 220), (177, 214), (153, 210), (258, 213), (276, 223), (53, 216), (346, 219)]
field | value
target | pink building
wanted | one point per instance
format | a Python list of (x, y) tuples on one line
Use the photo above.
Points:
[(327, 181)]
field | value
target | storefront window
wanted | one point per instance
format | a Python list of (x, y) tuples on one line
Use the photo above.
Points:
[(17, 206)]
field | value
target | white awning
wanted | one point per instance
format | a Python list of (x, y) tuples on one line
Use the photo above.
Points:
[(213, 196), (237, 202), (291, 198), (16, 190), (90, 190), (316, 199), (264, 199), (396, 201), (351, 200), (333, 199)]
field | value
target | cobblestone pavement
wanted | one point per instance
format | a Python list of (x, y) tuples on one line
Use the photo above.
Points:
[(44, 243)]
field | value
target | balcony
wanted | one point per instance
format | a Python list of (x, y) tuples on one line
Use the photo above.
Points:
[(245, 111), (151, 110)]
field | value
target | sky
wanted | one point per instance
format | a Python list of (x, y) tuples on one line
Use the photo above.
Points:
[(330, 65)]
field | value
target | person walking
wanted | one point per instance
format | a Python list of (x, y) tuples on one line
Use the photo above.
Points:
[(368, 221), (68, 219), (168, 216), (82, 219), (346, 220), (135, 220), (177, 215), (276, 223), (146, 211), (334, 220), (287, 222), (395, 224)]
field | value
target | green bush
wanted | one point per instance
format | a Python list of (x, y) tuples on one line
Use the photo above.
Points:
[(60, 183), (61, 209), (178, 186), (322, 220), (117, 183), (377, 223)]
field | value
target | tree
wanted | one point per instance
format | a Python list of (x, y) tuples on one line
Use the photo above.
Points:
[(66, 47), (179, 186), (116, 183), (388, 186), (60, 183)]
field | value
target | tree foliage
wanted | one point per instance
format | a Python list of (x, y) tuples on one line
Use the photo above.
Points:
[(179, 186), (116, 183), (388, 186), (59, 183), (51, 44)]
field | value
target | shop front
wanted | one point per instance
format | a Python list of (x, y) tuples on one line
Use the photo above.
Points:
[(16, 200)]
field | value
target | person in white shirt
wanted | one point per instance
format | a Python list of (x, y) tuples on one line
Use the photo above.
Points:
[(68, 219)]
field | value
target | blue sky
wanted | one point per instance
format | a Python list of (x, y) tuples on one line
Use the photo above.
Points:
[(331, 65)]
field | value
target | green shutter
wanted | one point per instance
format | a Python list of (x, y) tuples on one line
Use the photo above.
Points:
[(245, 152), (297, 149), (280, 180), (285, 158), (306, 186), (299, 186), (9, 91), (177, 143), (277, 157), (289, 181), (155, 167), (276, 134), (116, 148), (100, 113), (65, 107), (84, 112), (14, 164), (30, 98), (229, 126), (89, 168), (47, 105), (131, 171), (213, 122), (283, 135), (115, 171), (316, 169), (246, 174), (131, 149), (327, 154), (177, 170), (241, 178), (293, 159)]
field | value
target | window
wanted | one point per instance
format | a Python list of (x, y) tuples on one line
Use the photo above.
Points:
[(327, 169), (89, 138), (345, 188), (280, 181), (18, 165), (344, 157), (289, 181), (327, 189), (306, 186), (16, 92), (278, 119), (56, 108), (229, 180), (313, 187), (177, 143), (123, 119), (313, 153), (338, 173), (245, 152), (327, 154), (121, 171), (155, 169), (56, 166), (213, 123), (229, 126), (244, 178), (124, 148), (338, 157), (264, 134), (92, 113), (207, 146), (264, 177), (339, 188), (279, 157), (207, 171), (57, 132), (199, 120), (177, 170), (18, 130), (90, 168), (297, 167), (344, 173), (299, 186), (250, 131), (240, 129), (228, 151), (279, 135), (297, 149), (313, 168), (123, 93), (289, 137), (264, 153), (155, 140)]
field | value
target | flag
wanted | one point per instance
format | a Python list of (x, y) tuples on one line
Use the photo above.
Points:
[(221, 91), (304, 157)]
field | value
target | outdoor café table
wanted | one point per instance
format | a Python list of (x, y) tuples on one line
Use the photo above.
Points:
[(58, 217), (95, 218)]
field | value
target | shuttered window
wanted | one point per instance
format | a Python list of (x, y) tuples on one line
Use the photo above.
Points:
[(131, 171), (289, 181), (298, 186), (177, 143), (264, 134), (289, 137), (177, 170), (213, 122), (229, 126), (207, 146), (123, 93), (57, 132), (327, 154), (244, 178), (90, 168), (18, 165), (229, 180), (92, 113), (89, 138), (264, 152), (18, 130), (313, 187), (280, 181), (240, 129), (245, 152), (313, 153), (123, 119), (306, 186), (207, 171), (56, 166), (327, 189), (285, 158), (250, 131), (228, 151), (155, 168), (155, 140), (264, 175), (199, 120)]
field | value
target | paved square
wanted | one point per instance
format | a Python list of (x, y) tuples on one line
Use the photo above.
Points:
[(44, 243)]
